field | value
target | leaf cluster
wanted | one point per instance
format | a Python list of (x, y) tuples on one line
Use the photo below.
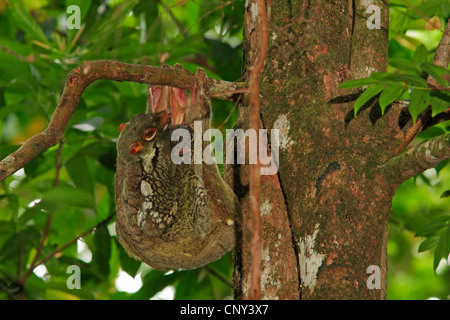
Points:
[(410, 84)]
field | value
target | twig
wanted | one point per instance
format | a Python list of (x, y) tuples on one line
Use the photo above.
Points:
[(418, 159), (174, 19), (68, 244), (218, 276), (229, 92), (33, 264), (254, 292), (231, 113), (209, 12), (16, 55)]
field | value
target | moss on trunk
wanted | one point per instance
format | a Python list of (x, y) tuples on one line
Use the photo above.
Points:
[(336, 203)]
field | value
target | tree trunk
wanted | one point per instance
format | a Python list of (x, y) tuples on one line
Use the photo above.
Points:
[(325, 214)]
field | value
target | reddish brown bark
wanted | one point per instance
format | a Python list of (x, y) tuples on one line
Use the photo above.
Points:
[(332, 195)]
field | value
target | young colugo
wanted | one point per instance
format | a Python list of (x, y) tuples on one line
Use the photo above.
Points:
[(169, 215)]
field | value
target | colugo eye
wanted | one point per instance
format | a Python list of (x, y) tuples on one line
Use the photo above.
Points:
[(149, 134)]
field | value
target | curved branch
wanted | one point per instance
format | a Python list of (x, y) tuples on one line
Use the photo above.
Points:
[(80, 78), (416, 160)]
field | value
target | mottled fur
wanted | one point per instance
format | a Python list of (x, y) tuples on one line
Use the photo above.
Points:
[(171, 216)]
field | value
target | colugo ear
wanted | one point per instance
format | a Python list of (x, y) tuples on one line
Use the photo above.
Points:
[(161, 98), (157, 99), (178, 103)]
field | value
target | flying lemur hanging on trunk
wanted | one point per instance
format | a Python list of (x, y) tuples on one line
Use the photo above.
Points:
[(171, 215)]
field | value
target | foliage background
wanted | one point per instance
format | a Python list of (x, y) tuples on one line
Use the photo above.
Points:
[(73, 182)]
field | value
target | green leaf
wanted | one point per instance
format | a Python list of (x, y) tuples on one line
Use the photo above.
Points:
[(407, 78), (16, 91), (80, 174), (436, 72), (35, 288), (9, 248), (445, 8), (187, 284), (357, 83), (442, 165), (22, 18), (445, 194), (367, 95), (389, 95), (9, 205), (428, 8), (129, 265), (419, 101), (428, 243), (380, 76), (153, 282), (131, 89), (420, 55), (225, 58), (440, 101), (403, 64), (433, 226), (101, 252), (41, 164), (431, 133), (29, 214), (6, 150), (67, 195), (105, 207), (442, 248)]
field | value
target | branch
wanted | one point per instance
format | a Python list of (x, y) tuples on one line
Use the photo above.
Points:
[(442, 55), (80, 78), (418, 159)]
